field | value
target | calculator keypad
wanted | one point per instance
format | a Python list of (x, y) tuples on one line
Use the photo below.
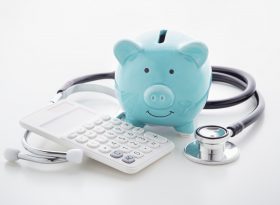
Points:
[(118, 140)]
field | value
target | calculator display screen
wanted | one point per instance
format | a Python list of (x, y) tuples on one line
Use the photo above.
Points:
[(65, 123)]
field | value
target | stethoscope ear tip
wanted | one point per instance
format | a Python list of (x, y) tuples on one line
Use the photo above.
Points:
[(11, 154), (75, 156)]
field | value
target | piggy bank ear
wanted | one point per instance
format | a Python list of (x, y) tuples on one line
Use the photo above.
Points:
[(125, 49), (196, 51)]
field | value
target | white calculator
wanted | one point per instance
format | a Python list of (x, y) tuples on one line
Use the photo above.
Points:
[(108, 140)]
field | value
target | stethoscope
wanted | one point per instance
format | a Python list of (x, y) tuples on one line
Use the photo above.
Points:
[(211, 145)]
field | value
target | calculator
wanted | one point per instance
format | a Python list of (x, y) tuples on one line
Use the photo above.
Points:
[(106, 139)]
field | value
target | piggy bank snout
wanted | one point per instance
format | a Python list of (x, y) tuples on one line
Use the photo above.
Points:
[(158, 96)]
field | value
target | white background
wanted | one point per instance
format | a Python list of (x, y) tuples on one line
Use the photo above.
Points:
[(45, 43)]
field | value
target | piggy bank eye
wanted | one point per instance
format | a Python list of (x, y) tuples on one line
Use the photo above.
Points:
[(146, 70), (171, 71)]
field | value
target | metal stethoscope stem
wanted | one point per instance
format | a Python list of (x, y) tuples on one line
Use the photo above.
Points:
[(212, 146)]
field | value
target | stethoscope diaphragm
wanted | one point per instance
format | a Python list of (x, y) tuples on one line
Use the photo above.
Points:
[(211, 146)]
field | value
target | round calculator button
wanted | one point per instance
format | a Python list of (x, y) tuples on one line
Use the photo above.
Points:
[(121, 139), (128, 159), (98, 122), (116, 154), (133, 144), (107, 125), (101, 139), (138, 130), (99, 130), (110, 134), (118, 130), (126, 126), (106, 117), (81, 139), (81, 130), (137, 154), (129, 135), (141, 139), (153, 144), (113, 144), (89, 125), (155, 137), (125, 149), (116, 121), (104, 149), (93, 144), (90, 134)]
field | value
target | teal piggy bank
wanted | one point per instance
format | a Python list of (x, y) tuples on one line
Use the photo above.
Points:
[(163, 78)]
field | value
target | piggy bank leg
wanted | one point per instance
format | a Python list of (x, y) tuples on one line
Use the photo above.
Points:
[(134, 122), (186, 129)]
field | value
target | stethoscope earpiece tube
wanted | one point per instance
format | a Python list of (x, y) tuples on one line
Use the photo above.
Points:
[(86, 79), (43, 156), (245, 82), (237, 78)]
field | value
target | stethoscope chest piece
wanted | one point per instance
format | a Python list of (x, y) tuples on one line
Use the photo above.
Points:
[(211, 146)]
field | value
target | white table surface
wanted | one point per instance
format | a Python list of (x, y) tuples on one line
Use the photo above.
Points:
[(45, 43)]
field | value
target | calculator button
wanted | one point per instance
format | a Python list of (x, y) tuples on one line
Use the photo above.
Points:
[(121, 139), (129, 135), (99, 130), (104, 149), (116, 121), (138, 130), (126, 126), (89, 125), (137, 154), (124, 149), (118, 130), (145, 149), (101, 139), (72, 135), (107, 125), (106, 117), (155, 137), (90, 134), (128, 159), (141, 139), (113, 144), (153, 144), (81, 139), (110, 134), (93, 144), (133, 144), (98, 122), (81, 130), (116, 154)]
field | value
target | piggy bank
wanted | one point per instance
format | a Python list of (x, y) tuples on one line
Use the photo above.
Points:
[(163, 78)]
